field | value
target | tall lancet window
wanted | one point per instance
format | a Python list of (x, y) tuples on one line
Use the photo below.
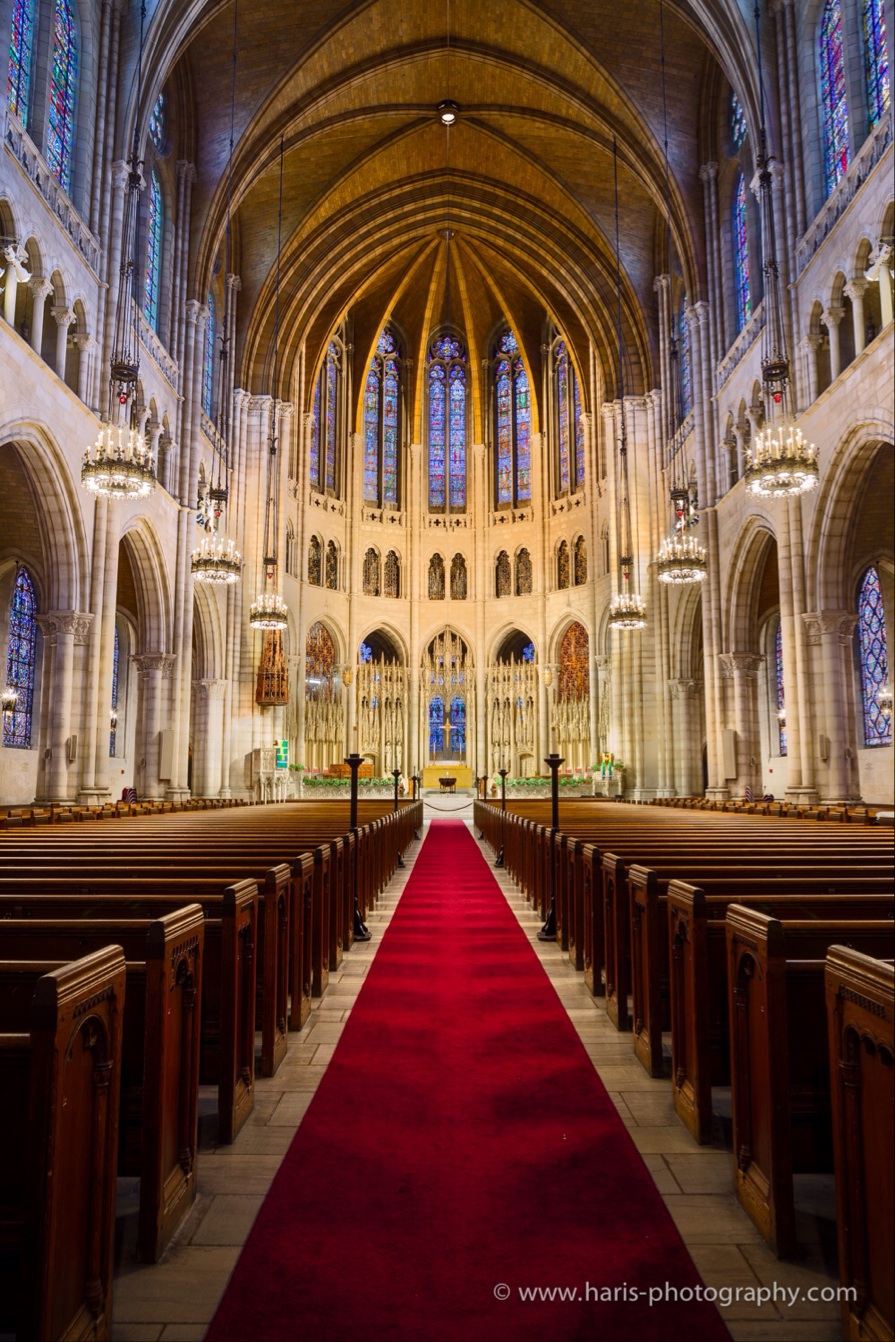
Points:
[(876, 61), (567, 423), (781, 690), (326, 422), (874, 660), (447, 425), (738, 125), (20, 661), (512, 404), (21, 50), (116, 663), (382, 395), (60, 132), (208, 365), (154, 226), (683, 347), (833, 97), (741, 255)]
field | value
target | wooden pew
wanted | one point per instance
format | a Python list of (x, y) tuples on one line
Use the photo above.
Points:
[(779, 1053), (860, 995), (60, 1057)]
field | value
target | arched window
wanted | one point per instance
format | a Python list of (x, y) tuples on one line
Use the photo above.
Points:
[(332, 566), (833, 98), (154, 222), (290, 549), (158, 124), (208, 365), (21, 51), (741, 255), (574, 668), (382, 393), (447, 425), (562, 566), (458, 578), (580, 564), (876, 61), (523, 573), (20, 651), (116, 657), (738, 127), (364, 653), (436, 578), (315, 562), (873, 659), (392, 575), (371, 572), (502, 577), (436, 728), (60, 134), (683, 345), (780, 689), (512, 404), (458, 726), (567, 423), (326, 422)]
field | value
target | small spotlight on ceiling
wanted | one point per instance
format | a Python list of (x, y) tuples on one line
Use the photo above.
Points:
[(448, 112)]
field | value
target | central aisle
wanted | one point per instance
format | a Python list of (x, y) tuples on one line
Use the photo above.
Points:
[(460, 1143)]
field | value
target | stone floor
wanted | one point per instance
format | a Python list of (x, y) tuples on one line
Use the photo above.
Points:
[(174, 1300)]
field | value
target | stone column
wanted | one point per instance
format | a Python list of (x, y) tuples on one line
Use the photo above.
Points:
[(92, 669), (40, 290), (153, 669), (742, 668), (64, 318), (831, 319), (687, 755), (855, 289), (107, 649), (709, 176), (84, 345), (208, 699), (62, 629), (811, 344), (830, 631), (880, 271), (99, 134)]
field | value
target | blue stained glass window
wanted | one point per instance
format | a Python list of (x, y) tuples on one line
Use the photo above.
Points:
[(153, 251), (60, 133), (331, 368), (569, 429), (513, 428), (781, 697), (447, 425), (20, 651), (365, 653), (874, 660), (436, 728), (21, 45), (458, 726), (528, 652), (876, 61), (325, 422), (157, 123), (208, 366), (113, 733), (314, 451), (741, 255), (738, 126), (833, 98), (683, 345), (382, 395)]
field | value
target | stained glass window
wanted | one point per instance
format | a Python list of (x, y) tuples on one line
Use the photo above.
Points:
[(458, 578), (683, 345), (371, 573), (741, 255), (21, 45), (436, 578), (157, 123), (523, 573), (332, 566), (738, 127), (580, 563), (562, 566), (833, 98), (568, 426), (512, 400), (574, 668), (365, 653), (315, 562), (528, 652), (876, 61), (502, 579), (436, 727), (874, 660), (382, 394), (325, 423), (447, 425), (20, 651), (116, 654), (781, 696), (320, 663), (392, 575), (458, 726), (60, 133), (208, 366), (154, 220)]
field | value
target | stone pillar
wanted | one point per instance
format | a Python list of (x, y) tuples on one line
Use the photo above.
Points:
[(62, 630), (153, 668), (742, 668), (40, 290), (830, 632), (855, 289), (811, 344), (107, 649), (208, 697), (101, 524), (64, 318), (831, 319), (84, 345), (709, 176)]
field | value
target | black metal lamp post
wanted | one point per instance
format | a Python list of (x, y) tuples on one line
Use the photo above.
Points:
[(415, 780), (396, 775), (553, 761), (503, 813), (361, 931)]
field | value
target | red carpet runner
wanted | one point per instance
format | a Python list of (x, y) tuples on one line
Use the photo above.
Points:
[(460, 1142)]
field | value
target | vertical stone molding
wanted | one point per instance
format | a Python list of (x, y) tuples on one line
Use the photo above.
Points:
[(40, 291), (742, 668), (829, 634), (855, 290), (153, 669), (62, 630), (831, 319), (687, 735), (64, 318), (208, 700)]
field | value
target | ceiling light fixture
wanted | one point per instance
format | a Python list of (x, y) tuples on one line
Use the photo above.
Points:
[(448, 111)]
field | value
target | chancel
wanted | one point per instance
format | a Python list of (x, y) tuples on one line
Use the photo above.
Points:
[(489, 402)]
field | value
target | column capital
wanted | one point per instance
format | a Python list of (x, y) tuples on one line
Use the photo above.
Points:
[(82, 341), (746, 663), (208, 689), (147, 662), (821, 624), (856, 288), (186, 170), (832, 317), (708, 172), (72, 622), (40, 287), (63, 316), (813, 341), (662, 282), (234, 283), (684, 689)]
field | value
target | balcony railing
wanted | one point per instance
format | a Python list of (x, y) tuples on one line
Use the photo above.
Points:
[(35, 167), (741, 346), (844, 193), (151, 342)]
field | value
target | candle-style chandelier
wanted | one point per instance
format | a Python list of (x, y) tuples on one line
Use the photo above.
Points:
[(119, 464), (780, 463), (627, 610)]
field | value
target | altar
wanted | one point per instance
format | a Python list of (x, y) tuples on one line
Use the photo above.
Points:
[(461, 774)]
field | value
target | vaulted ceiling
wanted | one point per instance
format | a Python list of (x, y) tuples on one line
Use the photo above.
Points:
[(523, 182)]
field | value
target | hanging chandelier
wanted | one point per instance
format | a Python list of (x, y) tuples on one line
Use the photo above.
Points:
[(119, 464), (627, 610), (268, 611), (884, 699), (681, 560), (780, 463), (9, 700), (216, 560)]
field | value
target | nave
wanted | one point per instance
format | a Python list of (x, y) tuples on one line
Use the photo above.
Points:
[(176, 1298)]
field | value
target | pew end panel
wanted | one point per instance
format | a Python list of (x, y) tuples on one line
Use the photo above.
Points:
[(691, 1069), (236, 1083)]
